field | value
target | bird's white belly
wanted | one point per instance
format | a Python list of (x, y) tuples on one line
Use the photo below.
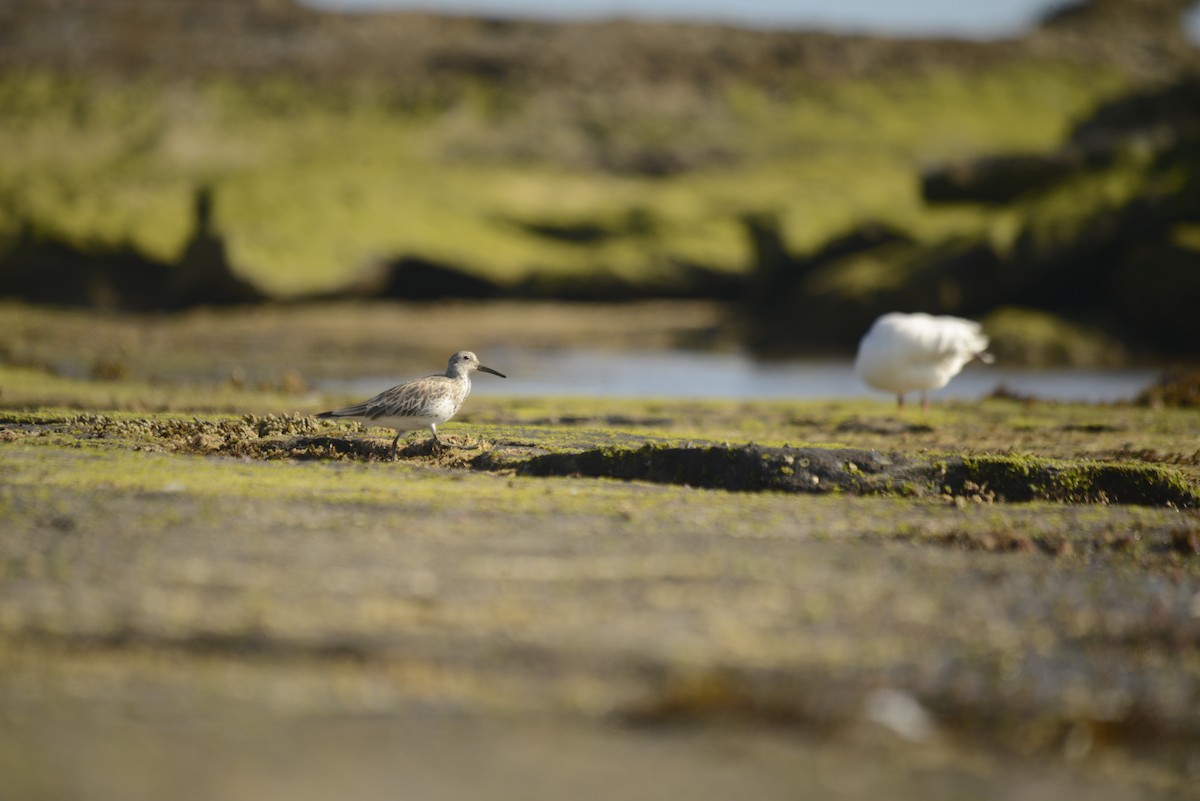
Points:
[(406, 423), (892, 377)]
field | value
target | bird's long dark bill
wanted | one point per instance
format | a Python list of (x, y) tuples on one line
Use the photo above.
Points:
[(490, 370)]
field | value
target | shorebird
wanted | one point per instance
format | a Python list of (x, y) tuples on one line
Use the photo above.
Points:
[(906, 352), (420, 403)]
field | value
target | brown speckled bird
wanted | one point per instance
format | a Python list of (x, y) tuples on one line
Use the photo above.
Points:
[(421, 403)]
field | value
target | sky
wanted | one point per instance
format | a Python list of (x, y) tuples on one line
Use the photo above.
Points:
[(985, 19)]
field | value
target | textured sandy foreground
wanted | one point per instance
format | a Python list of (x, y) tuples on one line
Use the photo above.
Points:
[(241, 607)]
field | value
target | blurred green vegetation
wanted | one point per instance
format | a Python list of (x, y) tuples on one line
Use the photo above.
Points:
[(315, 184)]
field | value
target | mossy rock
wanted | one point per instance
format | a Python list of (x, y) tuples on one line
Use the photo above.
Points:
[(1016, 478), (752, 468), (746, 468), (734, 468)]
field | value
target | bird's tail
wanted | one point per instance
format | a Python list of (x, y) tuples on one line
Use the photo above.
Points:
[(349, 411)]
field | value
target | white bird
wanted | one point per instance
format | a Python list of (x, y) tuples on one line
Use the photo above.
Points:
[(421, 403), (906, 352)]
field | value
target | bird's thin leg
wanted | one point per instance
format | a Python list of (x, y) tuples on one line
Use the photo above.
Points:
[(924, 402), (900, 401), (395, 444), (436, 445)]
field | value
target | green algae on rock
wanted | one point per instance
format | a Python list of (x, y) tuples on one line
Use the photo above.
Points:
[(750, 468), (634, 457), (1017, 478)]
